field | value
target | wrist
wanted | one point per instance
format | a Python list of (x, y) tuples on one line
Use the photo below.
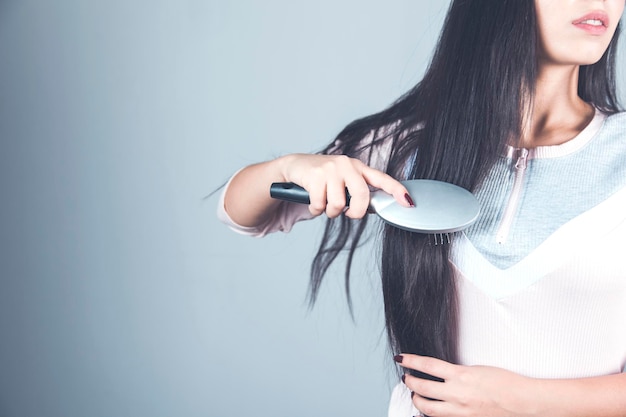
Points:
[(282, 167), (597, 396), (536, 397), (526, 398)]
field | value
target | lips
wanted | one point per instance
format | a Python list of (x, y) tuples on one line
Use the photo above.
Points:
[(594, 23)]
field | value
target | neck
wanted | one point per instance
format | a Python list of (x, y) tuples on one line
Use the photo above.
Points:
[(557, 114)]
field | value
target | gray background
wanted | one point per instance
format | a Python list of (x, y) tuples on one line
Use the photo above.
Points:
[(121, 294)]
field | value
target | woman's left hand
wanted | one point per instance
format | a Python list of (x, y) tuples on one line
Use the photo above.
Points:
[(467, 390)]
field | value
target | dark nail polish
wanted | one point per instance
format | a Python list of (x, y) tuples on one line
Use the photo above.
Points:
[(398, 358), (404, 379), (409, 199)]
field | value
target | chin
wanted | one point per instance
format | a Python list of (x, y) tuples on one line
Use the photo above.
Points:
[(590, 58), (591, 54), (575, 53), (582, 57)]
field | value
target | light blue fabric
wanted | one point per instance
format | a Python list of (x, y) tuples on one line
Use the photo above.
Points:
[(555, 190)]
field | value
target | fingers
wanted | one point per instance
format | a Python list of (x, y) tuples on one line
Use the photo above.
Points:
[(432, 408), (426, 389), (432, 398), (336, 198), (359, 196), (317, 197), (388, 184), (462, 390), (423, 387), (326, 178), (431, 366), (359, 184)]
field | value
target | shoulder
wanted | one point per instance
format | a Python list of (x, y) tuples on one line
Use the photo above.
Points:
[(611, 132), (615, 122)]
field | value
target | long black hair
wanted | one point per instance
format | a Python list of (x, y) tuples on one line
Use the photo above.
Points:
[(451, 126)]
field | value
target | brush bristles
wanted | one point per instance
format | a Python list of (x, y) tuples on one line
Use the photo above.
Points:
[(440, 239)]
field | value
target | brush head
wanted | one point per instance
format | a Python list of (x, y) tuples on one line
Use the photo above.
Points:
[(440, 207)]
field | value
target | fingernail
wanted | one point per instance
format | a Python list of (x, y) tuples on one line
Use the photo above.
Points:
[(404, 379), (398, 358), (409, 199)]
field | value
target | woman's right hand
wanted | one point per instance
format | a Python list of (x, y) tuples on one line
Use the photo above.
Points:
[(325, 177)]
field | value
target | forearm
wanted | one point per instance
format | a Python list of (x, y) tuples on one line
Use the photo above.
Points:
[(326, 177), (247, 200), (492, 391), (603, 396)]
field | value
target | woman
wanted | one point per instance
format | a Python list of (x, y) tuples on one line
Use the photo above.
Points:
[(525, 312)]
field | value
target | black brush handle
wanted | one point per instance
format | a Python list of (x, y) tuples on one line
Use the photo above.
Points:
[(288, 191)]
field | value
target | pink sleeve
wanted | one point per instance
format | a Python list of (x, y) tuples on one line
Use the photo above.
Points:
[(282, 220)]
